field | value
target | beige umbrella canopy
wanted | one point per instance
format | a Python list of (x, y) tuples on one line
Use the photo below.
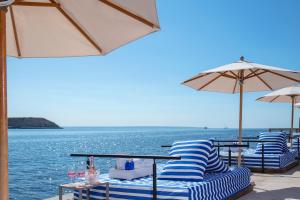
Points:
[(284, 95), (243, 76), (61, 28), (55, 28)]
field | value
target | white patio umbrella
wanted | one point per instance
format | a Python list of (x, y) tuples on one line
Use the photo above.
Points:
[(60, 28), (285, 95), (243, 76)]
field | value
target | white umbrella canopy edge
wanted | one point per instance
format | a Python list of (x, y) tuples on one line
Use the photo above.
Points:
[(285, 95), (26, 31), (242, 76), (65, 28), (255, 77)]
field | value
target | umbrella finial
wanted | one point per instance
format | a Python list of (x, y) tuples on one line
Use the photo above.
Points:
[(242, 58)]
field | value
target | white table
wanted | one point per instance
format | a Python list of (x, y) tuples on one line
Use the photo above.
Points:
[(80, 186)]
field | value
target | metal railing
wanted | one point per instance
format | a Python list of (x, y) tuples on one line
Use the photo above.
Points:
[(248, 141), (229, 146), (298, 145), (253, 139), (297, 130), (152, 157)]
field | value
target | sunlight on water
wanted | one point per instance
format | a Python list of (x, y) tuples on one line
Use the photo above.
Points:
[(38, 159)]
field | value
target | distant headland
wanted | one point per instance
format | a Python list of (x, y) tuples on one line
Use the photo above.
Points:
[(31, 123)]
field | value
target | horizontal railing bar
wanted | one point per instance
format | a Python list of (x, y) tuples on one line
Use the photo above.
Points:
[(259, 141), (232, 145), (283, 129), (221, 145), (252, 137), (156, 157)]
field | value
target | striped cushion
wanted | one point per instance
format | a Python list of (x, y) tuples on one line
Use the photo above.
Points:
[(295, 143), (194, 155), (278, 147), (215, 164)]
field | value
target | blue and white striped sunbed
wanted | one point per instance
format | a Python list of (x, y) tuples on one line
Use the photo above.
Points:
[(214, 187), (272, 161)]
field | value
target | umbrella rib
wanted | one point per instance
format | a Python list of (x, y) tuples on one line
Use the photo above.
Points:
[(251, 75), (12, 16), (278, 74), (196, 77), (235, 75), (274, 99), (263, 81), (38, 4), (209, 82), (130, 14), (235, 84), (227, 75), (59, 8), (252, 72)]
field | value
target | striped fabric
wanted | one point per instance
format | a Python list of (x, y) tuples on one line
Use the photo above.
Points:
[(278, 147), (215, 164), (272, 161), (213, 187), (295, 144), (194, 155)]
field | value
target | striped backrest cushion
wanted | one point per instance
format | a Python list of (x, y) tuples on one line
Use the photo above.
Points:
[(277, 144), (296, 143), (194, 155), (215, 164)]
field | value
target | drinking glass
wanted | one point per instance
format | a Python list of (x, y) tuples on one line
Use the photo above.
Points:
[(72, 172), (81, 168)]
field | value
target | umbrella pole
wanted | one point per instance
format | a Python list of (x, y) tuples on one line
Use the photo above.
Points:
[(292, 119), (4, 195), (240, 120)]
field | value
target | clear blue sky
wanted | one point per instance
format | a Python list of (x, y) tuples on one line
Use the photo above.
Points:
[(139, 84)]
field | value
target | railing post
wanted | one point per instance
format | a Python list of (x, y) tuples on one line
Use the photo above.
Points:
[(229, 155), (154, 180), (263, 157)]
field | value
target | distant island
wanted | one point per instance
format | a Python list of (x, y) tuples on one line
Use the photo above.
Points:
[(31, 123)]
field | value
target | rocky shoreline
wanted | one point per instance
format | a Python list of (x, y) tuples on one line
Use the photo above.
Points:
[(31, 123)]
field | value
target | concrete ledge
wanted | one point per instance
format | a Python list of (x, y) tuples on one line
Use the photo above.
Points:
[(275, 171), (284, 186)]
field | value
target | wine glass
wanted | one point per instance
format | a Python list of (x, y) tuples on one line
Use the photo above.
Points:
[(72, 172), (81, 170)]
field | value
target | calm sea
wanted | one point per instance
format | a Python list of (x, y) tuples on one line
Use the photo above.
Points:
[(39, 159)]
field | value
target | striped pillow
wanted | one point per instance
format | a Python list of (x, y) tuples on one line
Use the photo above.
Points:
[(295, 143), (194, 155), (215, 164), (278, 147)]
